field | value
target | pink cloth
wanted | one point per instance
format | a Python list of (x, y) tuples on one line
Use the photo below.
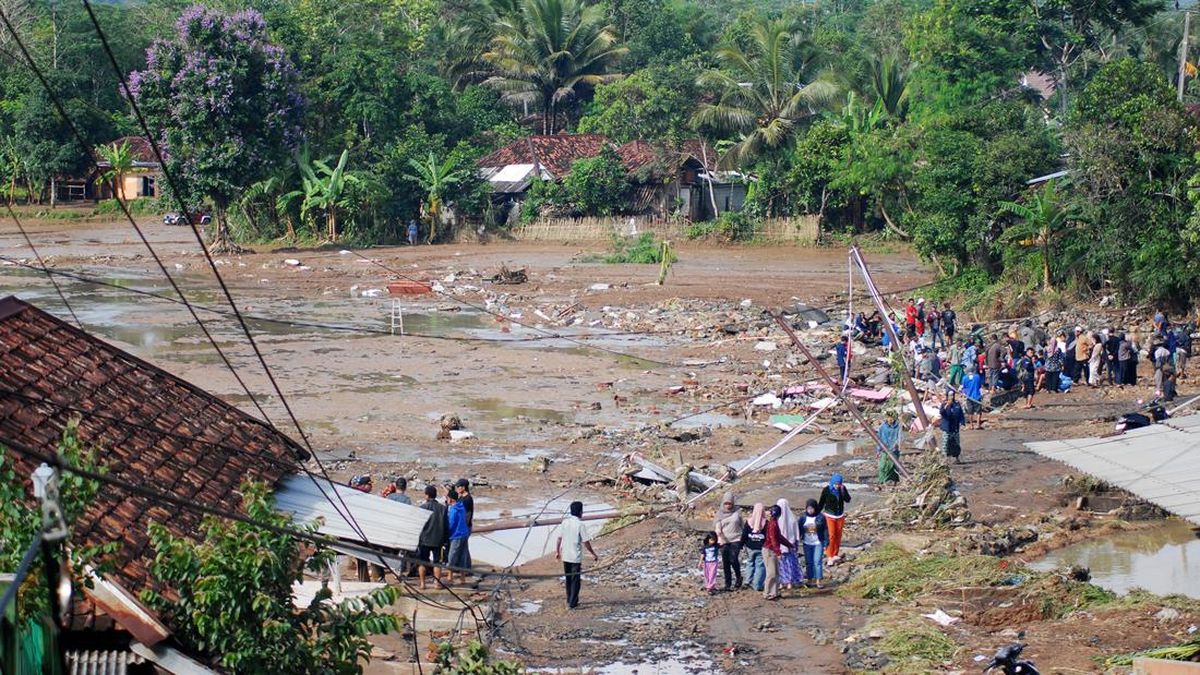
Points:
[(710, 575)]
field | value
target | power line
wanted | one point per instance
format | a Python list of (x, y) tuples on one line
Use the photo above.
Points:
[(42, 264)]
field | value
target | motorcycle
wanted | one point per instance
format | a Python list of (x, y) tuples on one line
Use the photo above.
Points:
[(1008, 660)]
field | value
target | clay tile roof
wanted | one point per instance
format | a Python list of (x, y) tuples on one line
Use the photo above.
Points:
[(555, 153), (143, 152), (701, 151), (638, 154), (52, 371)]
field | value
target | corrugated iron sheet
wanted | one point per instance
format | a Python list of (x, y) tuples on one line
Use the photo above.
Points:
[(1159, 463), (98, 662), (385, 522)]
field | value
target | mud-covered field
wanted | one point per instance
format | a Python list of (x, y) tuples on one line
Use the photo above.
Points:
[(579, 365)]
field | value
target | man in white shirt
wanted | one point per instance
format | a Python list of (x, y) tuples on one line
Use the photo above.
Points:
[(569, 550)]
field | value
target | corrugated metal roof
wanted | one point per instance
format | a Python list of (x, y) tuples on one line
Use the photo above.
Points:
[(1159, 463), (101, 662), (385, 522)]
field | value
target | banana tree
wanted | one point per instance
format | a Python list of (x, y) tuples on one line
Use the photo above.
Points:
[(324, 190), (436, 179), (120, 162)]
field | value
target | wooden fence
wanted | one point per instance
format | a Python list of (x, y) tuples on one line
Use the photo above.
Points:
[(796, 230)]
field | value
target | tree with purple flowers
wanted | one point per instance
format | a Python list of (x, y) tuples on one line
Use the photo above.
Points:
[(226, 106)]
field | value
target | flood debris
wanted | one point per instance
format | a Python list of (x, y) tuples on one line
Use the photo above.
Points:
[(929, 498), (509, 277)]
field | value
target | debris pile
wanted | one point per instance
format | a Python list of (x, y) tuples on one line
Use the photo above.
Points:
[(928, 498)]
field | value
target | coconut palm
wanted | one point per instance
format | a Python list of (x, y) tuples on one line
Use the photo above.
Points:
[(1044, 220), (764, 92), (436, 179), (549, 51), (889, 83), (119, 157)]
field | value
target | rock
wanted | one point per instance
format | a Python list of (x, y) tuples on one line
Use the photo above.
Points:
[(599, 287), (594, 406), (291, 261), (876, 634), (1079, 573), (1167, 614), (766, 346)]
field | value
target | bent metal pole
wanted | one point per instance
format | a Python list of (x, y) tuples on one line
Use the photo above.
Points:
[(895, 340), (849, 403)]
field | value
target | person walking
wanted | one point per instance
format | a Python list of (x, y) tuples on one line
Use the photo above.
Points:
[(1027, 374), (832, 501), (754, 533), (729, 526), (569, 549), (1183, 349), (889, 451), (972, 388), (949, 322), (458, 558), (772, 548), (995, 360), (789, 557), (710, 561), (1095, 361), (412, 231), (815, 537), (434, 536), (955, 358), (952, 419)]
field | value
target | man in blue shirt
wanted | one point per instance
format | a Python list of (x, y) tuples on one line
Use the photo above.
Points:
[(456, 515), (952, 420), (972, 389)]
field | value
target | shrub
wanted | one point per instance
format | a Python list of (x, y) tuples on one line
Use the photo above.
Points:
[(645, 250)]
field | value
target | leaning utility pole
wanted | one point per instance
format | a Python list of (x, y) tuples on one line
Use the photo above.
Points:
[(1183, 55)]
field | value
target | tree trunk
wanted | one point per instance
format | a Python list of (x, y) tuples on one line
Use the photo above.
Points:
[(53, 192), (888, 221), (331, 221), (1046, 264), (221, 242)]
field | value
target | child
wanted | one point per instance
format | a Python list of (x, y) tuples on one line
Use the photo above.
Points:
[(709, 562), (815, 537)]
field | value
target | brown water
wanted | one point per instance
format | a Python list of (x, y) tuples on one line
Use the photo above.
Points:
[(1163, 560)]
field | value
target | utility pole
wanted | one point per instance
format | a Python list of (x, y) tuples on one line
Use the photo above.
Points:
[(1183, 55)]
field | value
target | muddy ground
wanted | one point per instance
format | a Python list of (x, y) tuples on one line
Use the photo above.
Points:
[(636, 355)]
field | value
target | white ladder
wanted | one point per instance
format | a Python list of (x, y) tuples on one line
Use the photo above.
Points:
[(397, 317)]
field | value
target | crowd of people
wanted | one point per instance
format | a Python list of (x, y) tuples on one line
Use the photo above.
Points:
[(784, 550)]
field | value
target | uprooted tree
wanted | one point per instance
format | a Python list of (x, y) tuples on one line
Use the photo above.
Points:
[(227, 103)]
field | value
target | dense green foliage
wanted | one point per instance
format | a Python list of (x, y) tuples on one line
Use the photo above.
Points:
[(230, 595), (921, 120)]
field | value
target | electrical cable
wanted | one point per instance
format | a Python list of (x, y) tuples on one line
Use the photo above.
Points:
[(41, 263)]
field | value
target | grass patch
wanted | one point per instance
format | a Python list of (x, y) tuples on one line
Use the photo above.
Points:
[(913, 644), (1189, 650), (144, 206), (892, 573), (644, 250)]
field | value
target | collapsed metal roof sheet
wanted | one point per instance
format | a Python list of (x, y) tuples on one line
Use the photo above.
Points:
[(1159, 463), (385, 522)]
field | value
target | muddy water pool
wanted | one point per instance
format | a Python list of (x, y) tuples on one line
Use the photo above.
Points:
[(1164, 560)]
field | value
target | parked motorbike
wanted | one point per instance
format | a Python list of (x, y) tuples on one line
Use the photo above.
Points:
[(1008, 660)]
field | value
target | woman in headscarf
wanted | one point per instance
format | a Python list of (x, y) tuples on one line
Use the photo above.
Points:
[(789, 561), (815, 536), (754, 533), (728, 525), (772, 548), (833, 500), (889, 436)]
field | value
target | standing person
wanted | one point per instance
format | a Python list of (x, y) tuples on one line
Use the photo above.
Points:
[(772, 548), (815, 537), (399, 491), (952, 420), (434, 536), (1027, 334), (729, 525), (889, 435), (833, 500), (972, 388), (1160, 358), (710, 560), (949, 322), (955, 358), (1054, 366), (933, 319), (921, 325), (1096, 360), (1183, 349), (1067, 347), (462, 488), (1027, 374), (569, 549), (789, 560), (910, 319), (842, 353), (1112, 348), (412, 231), (1125, 361), (1160, 323), (1083, 355), (456, 518), (995, 358), (754, 533)]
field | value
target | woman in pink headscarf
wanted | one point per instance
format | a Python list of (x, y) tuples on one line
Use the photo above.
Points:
[(789, 563), (754, 534)]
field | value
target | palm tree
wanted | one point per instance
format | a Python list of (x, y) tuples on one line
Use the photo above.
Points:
[(323, 190), (1045, 219), (547, 51), (435, 178), (120, 162), (889, 83), (765, 92)]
